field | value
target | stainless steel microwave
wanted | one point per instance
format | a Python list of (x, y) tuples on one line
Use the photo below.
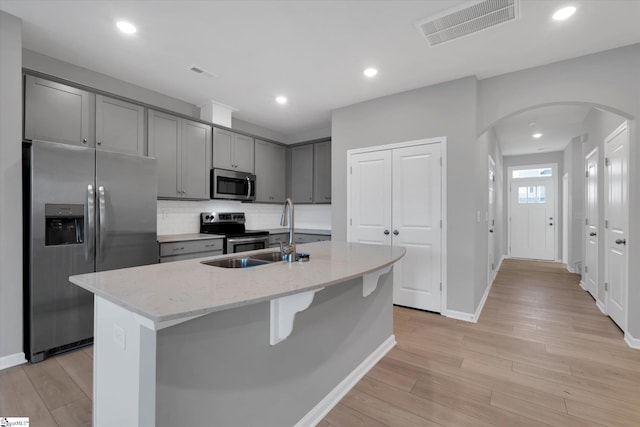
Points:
[(232, 185)]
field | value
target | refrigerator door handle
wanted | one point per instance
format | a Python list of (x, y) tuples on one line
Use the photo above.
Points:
[(102, 220), (91, 225)]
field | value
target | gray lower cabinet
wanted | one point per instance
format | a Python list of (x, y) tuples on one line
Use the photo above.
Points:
[(270, 172), (232, 151), (276, 239), (183, 150), (119, 126), (301, 180), (190, 249), (322, 172), (57, 113), (310, 238)]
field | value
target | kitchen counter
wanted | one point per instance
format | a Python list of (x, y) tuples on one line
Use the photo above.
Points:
[(300, 230), (183, 289), (185, 343), (169, 238)]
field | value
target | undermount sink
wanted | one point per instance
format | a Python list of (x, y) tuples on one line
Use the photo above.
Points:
[(254, 260), (236, 262)]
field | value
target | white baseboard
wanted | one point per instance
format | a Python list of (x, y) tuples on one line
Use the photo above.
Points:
[(581, 283), (499, 265), (631, 341), (601, 307), (323, 407), (459, 315), (12, 360), (570, 269)]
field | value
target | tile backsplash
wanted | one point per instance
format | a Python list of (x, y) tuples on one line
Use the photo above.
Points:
[(182, 217)]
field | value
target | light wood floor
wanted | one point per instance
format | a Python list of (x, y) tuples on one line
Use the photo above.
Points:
[(541, 354)]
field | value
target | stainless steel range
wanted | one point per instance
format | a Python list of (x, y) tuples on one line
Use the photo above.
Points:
[(231, 225)]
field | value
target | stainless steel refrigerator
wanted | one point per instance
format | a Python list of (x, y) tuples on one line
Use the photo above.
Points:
[(86, 210)]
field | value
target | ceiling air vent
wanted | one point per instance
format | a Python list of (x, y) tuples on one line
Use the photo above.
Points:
[(200, 70), (466, 19)]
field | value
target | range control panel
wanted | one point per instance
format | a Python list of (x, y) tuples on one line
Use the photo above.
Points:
[(215, 217)]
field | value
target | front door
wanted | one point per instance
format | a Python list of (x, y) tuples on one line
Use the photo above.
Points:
[(616, 223), (591, 207), (532, 221)]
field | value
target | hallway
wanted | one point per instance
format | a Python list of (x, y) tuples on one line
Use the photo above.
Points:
[(541, 354)]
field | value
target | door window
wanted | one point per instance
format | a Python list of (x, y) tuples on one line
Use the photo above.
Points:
[(532, 194)]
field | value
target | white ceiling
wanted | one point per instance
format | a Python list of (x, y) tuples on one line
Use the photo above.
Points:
[(311, 51), (557, 124)]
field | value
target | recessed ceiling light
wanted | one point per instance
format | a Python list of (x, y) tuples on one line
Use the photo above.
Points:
[(537, 135), (370, 72), (281, 99), (126, 27), (564, 13)]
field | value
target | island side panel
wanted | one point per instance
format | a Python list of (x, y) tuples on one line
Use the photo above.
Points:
[(221, 370), (124, 367)]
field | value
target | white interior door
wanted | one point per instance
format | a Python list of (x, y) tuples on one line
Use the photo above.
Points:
[(491, 223), (616, 223), (416, 216), (565, 219), (370, 193), (591, 240), (532, 225)]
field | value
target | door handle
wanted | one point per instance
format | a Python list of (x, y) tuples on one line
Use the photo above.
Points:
[(249, 189), (91, 231), (593, 233), (102, 219), (396, 232), (386, 232), (491, 230), (621, 241)]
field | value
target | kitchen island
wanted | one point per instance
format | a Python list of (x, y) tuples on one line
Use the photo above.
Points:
[(279, 344)]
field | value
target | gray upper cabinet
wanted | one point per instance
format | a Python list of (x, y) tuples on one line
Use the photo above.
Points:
[(196, 159), (270, 172), (322, 172), (183, 151), (302, 173), (164, 145), (56, 112), (232, 151), (119, 126)]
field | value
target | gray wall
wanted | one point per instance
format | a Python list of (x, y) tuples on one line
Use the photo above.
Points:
[(574, 167), (448, 109), (10, 186), (597, 126), (220, 369), (64, 70), (556, 157)]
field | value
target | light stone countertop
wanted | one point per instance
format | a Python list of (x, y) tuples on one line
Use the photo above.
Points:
[(170, 238), (176, 290), (300, 231)]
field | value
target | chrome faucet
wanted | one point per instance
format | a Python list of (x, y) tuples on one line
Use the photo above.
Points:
[(289, 249)]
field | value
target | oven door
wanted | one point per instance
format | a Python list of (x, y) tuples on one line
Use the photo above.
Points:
[(232, 185), (244, 244)]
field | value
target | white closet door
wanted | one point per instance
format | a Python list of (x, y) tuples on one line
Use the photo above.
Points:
[(416, 214), (591, 239), (371, 198), (617, 216)]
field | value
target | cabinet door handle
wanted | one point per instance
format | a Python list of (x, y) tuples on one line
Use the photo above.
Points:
[(593, 233), (621, 241), (396, 232), (84, 140), (99, 142), (386, 232)]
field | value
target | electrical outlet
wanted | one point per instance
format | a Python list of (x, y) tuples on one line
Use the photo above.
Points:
[(119, 336)]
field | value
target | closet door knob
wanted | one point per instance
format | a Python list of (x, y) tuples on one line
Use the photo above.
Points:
[(396, 232), (386, 232)]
